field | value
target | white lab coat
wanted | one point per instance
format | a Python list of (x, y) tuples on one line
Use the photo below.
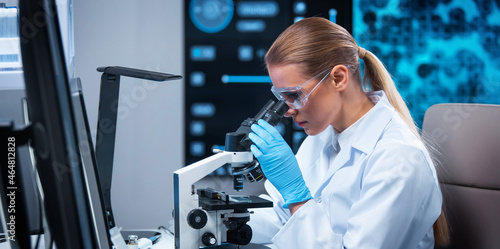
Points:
[(374, 186)]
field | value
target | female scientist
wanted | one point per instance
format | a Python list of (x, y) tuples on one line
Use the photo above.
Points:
[(363, 177)]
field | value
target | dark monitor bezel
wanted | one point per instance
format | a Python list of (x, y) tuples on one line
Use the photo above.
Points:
[(68, 208)]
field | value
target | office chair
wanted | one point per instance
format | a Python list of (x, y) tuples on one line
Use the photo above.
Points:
[(467, 138)]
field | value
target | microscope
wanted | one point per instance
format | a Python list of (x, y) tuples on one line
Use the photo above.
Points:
[(211, 218)]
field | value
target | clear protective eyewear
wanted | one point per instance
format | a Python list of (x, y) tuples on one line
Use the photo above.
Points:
[(295, 96)]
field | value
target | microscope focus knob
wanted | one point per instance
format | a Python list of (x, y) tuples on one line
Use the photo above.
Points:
[(240, 236), (230, 225), (197, 218), (208, 239)]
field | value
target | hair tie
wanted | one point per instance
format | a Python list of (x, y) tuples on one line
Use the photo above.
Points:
[(361, 52)]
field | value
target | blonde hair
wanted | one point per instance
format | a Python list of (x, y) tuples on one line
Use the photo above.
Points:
[(317, 44)]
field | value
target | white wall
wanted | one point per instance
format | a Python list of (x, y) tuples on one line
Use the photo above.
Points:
[(149, 140)]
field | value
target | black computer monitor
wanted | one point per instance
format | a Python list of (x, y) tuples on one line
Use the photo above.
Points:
[(12, 112), (72, 201)]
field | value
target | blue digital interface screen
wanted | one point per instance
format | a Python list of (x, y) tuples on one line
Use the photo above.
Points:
[(438, 51), (226, 79)]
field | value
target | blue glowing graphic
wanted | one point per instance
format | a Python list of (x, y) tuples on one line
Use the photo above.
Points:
[(197, 78), (203, 53), (333, 15), (299, 8), (211, 16), (203, 109), (258, 9), (197, 148), (249, 26), (245, 79), (197, 128), (245, 53), (439, 51)]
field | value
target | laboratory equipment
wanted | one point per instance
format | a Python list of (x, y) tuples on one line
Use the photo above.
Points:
[(208, 217), (106, 133), (107, 121), (132, 242)]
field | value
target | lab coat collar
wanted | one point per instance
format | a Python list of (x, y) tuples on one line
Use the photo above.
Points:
[(363, 135), (369, 132), (344, 138), (328, 136)]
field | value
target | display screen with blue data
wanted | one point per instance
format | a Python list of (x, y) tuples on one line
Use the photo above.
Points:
[(226, 79), (439, 51)]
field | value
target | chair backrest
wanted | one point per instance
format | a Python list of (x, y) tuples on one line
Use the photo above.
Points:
[(467, 139)]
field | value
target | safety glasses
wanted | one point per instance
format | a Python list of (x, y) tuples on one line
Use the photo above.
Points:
[(295, 96)]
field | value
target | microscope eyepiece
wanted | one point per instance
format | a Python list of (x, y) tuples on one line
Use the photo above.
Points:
[(276, 113), (272, 113)]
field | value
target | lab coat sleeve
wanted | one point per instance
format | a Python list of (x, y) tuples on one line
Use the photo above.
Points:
[(309, 227), (398, 204), (266, 222)]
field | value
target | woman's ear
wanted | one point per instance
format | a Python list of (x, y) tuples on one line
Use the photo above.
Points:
[(340, 76)]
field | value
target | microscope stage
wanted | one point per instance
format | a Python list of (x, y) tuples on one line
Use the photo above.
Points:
[(235, 202)]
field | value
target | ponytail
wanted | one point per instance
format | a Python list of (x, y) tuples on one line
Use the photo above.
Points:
[(378, 78), (318, 44)]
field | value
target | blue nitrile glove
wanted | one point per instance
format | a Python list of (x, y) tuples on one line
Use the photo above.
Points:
[(278, 163)]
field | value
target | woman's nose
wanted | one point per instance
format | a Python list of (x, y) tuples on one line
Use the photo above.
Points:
[(291, 112)]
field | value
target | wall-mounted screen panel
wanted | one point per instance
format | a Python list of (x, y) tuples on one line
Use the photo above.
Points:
[(226, 79), (438, 51)]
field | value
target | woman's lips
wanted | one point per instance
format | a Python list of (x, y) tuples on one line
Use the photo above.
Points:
[(301, 123)]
